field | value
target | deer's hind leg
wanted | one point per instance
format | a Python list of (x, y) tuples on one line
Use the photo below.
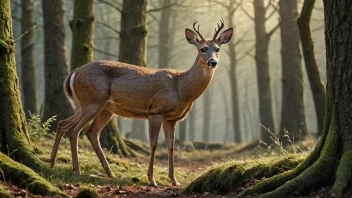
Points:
[(93, 133), (63, 127), (88, 113)]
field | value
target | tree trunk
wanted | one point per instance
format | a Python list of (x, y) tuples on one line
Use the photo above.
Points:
[(30, 103), (262, 63), (55, 70), (316, 84), (293, 118), (192, 123), (164, 36), (330, 162), (182, 130), (82, 26), (206, 115), (133, 44), (14, 138)]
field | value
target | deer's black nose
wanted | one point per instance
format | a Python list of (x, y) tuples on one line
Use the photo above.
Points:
[(212, 62)]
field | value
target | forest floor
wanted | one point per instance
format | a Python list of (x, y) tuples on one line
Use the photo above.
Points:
[(131, 173)]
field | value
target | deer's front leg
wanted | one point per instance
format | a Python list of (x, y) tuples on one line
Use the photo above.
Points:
[(169, 130), (154, 128)]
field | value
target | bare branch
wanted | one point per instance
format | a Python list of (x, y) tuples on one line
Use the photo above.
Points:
[(108, 26), (111, 4), (104, 52), (164, 7), (246, 13), (271, 32), (247, 53), (242, 38), (219, 3)]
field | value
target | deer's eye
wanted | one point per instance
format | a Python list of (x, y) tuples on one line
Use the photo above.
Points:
[(217, 50), (203, 50)]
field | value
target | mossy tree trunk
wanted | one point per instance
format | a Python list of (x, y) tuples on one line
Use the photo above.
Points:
[(14, 138), (55, 102), (330, 162), (133, 45), (30, 103), (82, 26), (262, 62), (293, 118), (316, 84)]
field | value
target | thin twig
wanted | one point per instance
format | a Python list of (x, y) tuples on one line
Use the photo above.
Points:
[(26, 32)]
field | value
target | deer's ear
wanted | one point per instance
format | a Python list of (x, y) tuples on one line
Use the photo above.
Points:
[(225, 36), (191, 37)]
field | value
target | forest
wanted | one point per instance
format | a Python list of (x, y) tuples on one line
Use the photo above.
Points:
[(131, 98)]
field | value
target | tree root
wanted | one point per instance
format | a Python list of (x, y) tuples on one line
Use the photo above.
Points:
[(26, 178), (343, 174)]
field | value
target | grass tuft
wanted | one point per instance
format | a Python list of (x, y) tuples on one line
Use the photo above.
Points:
[(88, 193)]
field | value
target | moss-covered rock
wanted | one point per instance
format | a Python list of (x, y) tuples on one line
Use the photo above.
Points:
[(88, 193), (26, 178), (230, 176)]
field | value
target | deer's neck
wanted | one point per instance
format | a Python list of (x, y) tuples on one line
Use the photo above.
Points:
[(195, 81)]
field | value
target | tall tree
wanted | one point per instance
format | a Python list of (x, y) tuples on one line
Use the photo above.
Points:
[(316, 84), (164, 35), (30, 103), (262, 38), (293, 118), (192, 123), (133, 45), (206, 116), (182, 129), (330, 162), (55, 102), (14, 138), (82, 26)]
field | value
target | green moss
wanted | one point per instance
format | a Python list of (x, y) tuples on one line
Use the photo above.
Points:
[(230, 176), (4, 193), (26, 178), (88, 193)]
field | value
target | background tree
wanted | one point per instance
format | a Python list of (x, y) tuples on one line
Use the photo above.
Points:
[(133, 45), (82, 26), (262, 38), (206, 115), (164, 35), (14, 138), (316, 84), (293, 118), (330, 162), (30, 103), (55, 102)]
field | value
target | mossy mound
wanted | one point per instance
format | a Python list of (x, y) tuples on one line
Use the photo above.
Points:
[(26, 178), (230, 176), (88, 193), (4, 193)]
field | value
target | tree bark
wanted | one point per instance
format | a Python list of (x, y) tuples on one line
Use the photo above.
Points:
[(262, 63), (293, 118), (30, 103), (55, 102), (14, 138), (133, 44), (330, 162), (82, 26), (206, 116), (164, 36), (316, 84)]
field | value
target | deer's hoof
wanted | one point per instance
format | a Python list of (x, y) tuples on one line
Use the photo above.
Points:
[(154, 185)]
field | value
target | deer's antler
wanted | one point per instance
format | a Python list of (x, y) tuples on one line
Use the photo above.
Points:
[(197, 30), (219, 28)]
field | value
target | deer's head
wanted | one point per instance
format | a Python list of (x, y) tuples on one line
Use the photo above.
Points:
[(209, 50)]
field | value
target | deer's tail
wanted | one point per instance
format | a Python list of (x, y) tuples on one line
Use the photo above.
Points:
[(69, 90)]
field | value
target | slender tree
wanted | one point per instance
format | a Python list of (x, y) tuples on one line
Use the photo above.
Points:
[(14, 138), (192, 123), (262, 38), (30, 103), (206, 116), (330, 162), (82, 26), (316, 84), (164, 35), (133, 44), (182, 130), (293, 118), (55, 102)]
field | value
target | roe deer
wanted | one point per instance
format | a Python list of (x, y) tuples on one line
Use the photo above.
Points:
[(99, 90)]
